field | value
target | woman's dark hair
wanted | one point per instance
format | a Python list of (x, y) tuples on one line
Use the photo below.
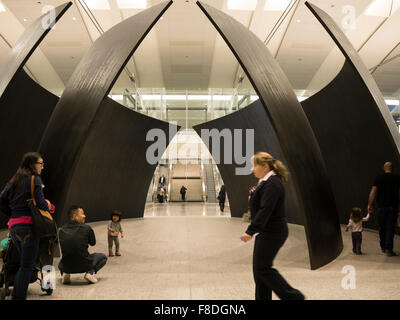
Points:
[(116, 213), (223, 188), (25, 169), (356, 214)]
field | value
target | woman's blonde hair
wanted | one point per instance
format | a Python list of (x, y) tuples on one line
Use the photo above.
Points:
[(263, 158)]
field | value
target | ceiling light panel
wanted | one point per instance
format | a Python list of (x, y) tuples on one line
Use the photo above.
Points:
[(98, 4), (276, 5), (2, 9), (132, 4), (248, 5), (379, 8)]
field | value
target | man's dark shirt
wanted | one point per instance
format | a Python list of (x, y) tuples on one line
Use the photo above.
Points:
[(388, 185), (75, 238)]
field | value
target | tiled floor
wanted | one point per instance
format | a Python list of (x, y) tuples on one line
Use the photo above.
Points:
[(189, 251)]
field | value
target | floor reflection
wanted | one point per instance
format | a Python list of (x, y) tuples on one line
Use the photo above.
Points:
[(181, 209)]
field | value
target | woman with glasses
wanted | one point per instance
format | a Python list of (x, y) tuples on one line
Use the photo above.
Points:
[(13, 201)]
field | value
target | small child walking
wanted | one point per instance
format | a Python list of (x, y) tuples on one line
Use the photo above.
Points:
[(355, 224), (114, 228)]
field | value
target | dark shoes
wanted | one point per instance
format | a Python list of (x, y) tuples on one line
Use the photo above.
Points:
[(390, 253)]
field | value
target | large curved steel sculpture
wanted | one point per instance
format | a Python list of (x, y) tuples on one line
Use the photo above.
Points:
[(112, 171), (25, 107), (353, 126), (299, 145), (74, 117), (252, 117)]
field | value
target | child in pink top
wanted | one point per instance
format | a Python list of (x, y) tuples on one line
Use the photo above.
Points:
[(355, 224)]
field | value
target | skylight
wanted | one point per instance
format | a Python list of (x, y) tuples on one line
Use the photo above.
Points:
[(248, 5), (382, 8), (276, 5), (132, 4), (98, 4)]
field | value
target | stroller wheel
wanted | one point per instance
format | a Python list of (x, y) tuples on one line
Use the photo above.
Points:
[(3, 293), (49, 292)]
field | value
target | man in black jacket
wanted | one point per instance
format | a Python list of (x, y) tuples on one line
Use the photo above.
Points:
[(75, 237)]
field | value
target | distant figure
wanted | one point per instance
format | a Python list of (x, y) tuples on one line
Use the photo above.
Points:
[(221, 198), (75, 238), (355, 224), (183, 192), (386, 191), (162, 181), (114, 229), (164, 193)]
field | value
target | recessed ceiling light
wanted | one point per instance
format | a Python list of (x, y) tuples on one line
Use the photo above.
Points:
[(132, 4), (2, 9), (248, 5), (25, 19), (98, 4), (276, 5), (73, 18), (161, 18), (298, 20)]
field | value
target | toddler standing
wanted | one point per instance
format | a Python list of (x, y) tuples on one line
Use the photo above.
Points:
[(355, 223), (114, 228)]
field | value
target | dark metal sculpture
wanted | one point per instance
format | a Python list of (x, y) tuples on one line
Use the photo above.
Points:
[(253, 117), (25, 107), (73, 119), (299, 145), (112, 171), (353, 126)]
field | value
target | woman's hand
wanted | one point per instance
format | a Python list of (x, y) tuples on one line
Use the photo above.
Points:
[(245, 237)]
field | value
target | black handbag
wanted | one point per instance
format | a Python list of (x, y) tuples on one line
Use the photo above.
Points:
[(43, 224)]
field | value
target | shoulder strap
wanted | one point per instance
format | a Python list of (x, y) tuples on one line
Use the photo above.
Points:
[(33, 189)]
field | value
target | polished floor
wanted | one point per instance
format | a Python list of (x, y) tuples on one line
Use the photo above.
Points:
[(190, 251)]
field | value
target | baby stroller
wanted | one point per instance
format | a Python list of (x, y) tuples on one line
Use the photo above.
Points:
[(11, 261)]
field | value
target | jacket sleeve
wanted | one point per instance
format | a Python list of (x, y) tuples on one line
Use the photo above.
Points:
[(269, 199), (92, 237), (39, 195), (4, 202)]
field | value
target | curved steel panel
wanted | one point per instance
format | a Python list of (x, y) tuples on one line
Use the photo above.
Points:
[(356, 121), (71, 121), (237, 186), (296, 138), (112, 171), (354, 59), (27, 44)]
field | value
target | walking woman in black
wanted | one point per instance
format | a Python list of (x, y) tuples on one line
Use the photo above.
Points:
[(221, 198), (269, 221), (14, 201)]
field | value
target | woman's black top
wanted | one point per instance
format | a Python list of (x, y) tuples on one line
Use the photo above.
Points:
[(14, 201), (267, 207), (222, 196)]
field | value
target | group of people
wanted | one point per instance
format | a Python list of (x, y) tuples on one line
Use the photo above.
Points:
[(268, 223), (385, 190), (74, 237)]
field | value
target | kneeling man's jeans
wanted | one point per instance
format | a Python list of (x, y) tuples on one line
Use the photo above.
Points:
[(99, 261)]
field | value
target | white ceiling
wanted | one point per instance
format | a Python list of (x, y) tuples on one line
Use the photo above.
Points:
[(184, 51)]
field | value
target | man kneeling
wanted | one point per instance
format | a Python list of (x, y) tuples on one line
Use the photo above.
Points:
[(75, 237)]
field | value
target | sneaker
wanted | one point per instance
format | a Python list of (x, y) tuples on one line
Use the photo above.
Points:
[(118, 254), (90, 278), (66, 278), (390, 253)]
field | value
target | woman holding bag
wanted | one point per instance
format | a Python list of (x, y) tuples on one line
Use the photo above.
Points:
[(15, 196)]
